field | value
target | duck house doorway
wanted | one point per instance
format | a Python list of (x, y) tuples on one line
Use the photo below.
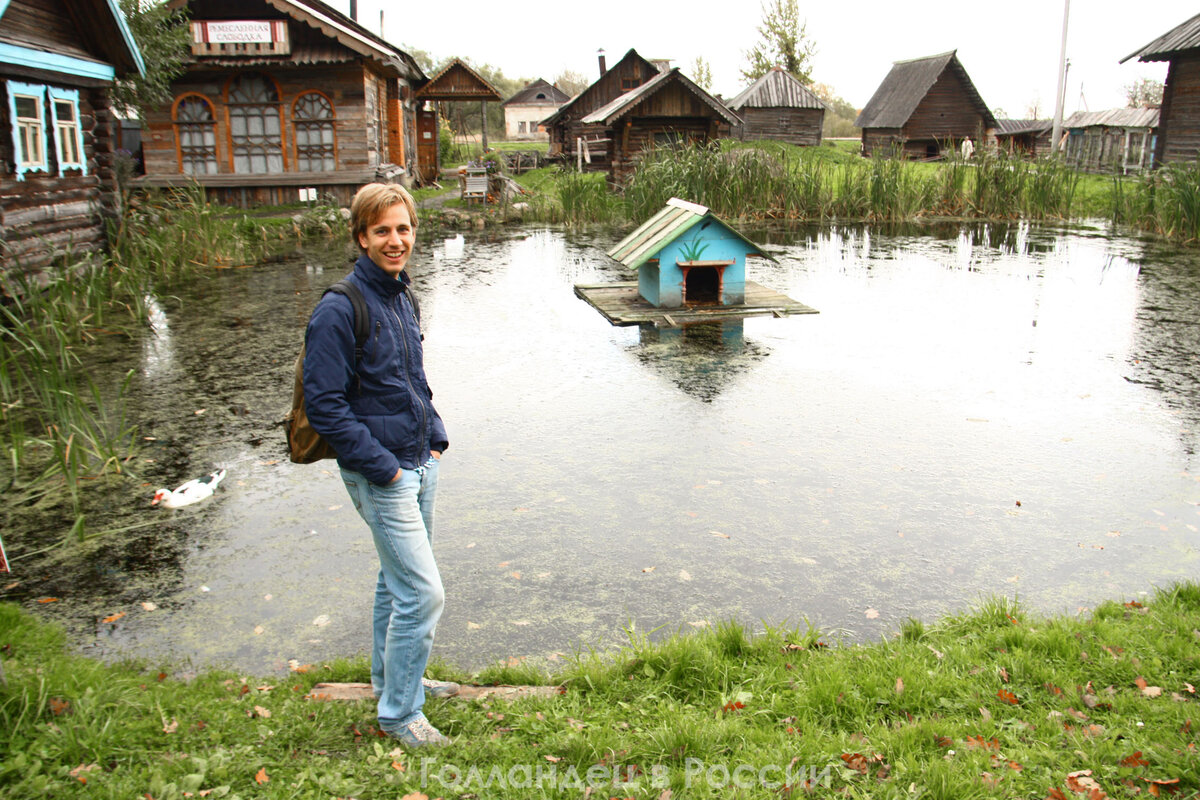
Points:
[(703, 282)]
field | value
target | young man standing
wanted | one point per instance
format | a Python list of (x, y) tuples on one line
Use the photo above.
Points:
[(377, 413)]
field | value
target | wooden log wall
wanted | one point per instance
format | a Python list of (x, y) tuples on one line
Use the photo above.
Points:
[(881, 140), (799, 126), (44, 24), (637, 137), (1179, 128), (46, 216), (946, 113)]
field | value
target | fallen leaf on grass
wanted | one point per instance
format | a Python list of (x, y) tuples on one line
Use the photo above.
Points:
[(261, 776), (979, 743), (171, 727), (58, 706), (415, 796), (296, 666), (81, 771), (48, 600), (1158, 786), (552, 759), (944, 741), (113, 617), (1007, 697), (1148, 691), (1135, 760), (398, 766), (899, 686), (1081, 782), (148, 606), (262, 712)]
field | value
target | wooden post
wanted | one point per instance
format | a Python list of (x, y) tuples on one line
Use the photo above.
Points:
[(483, 118), (579, 153)]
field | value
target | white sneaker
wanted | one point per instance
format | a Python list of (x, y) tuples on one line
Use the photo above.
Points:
[(419, 733), (439, 689)]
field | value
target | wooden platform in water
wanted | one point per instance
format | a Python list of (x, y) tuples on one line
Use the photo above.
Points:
[(621, 304), (362, 691)]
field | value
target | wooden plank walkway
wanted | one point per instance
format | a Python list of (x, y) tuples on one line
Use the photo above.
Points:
[(621, 304), (362, 691)]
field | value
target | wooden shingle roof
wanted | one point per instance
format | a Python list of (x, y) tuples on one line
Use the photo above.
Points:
[(1182, 37), (906, 86), (1114, 118), (457, 81), (586, 99), (776, 89), (621, 106), (675, 219)]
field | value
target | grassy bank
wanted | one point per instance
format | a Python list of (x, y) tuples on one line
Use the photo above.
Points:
[(994, 703), (771, 180), (61, 428)]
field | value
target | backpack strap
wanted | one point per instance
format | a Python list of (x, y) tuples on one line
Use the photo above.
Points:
[(362, 317), (416, 305)]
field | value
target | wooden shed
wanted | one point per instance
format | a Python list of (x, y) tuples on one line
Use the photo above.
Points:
[(566, 127), (281, 98), (924, 107), (777, 106), (57, 58), (455, 83), (669, 109), (525, 110), (1118, 140), (1179, 117), (1029, 137)]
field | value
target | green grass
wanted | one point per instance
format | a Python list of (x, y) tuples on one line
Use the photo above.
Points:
[(997, 702)]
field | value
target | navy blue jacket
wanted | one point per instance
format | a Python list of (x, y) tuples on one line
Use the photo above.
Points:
[(379, 417)]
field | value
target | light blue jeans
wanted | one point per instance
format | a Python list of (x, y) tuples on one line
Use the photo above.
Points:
[(408, 592)]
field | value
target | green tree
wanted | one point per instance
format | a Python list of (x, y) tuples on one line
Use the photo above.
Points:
[(1143, 92), (839, 114), (572, 83), (702, 73), (784, 43), (163, 37)]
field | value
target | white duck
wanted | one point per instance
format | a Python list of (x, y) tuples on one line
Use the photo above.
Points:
[(191, 492)]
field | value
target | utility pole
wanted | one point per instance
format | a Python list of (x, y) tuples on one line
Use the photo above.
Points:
[(1060, 97)]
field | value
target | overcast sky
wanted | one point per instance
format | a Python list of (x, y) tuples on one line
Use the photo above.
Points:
[(1010, 49)]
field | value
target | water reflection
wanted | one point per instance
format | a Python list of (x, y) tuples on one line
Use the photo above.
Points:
[(701, 359), (874, 459)]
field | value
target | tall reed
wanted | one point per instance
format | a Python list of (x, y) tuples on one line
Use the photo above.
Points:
[(59, 426)]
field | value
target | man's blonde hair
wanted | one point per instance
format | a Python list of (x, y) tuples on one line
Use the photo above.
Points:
[(370, 203)]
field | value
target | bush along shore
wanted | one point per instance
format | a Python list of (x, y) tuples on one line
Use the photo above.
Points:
[(59, 430), (770, 180), (997, 702)]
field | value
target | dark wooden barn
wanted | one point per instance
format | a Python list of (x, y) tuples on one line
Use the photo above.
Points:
[(667, 110), (1028, 137), (777, 106), (923, 108), (57, 58), (1179, 117), (566, 127), (281, 98)]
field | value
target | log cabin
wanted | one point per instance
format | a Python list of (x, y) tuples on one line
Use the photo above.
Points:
[(1179, 117), (1116, 140), (284, 99), (667, 110), (924, 108), (566, 126), (58, 58), (779, 107), (1024, 137)]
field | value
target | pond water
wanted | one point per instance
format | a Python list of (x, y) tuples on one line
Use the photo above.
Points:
[(976, 411)]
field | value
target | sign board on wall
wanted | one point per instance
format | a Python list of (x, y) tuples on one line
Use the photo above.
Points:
[(239, 32)]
